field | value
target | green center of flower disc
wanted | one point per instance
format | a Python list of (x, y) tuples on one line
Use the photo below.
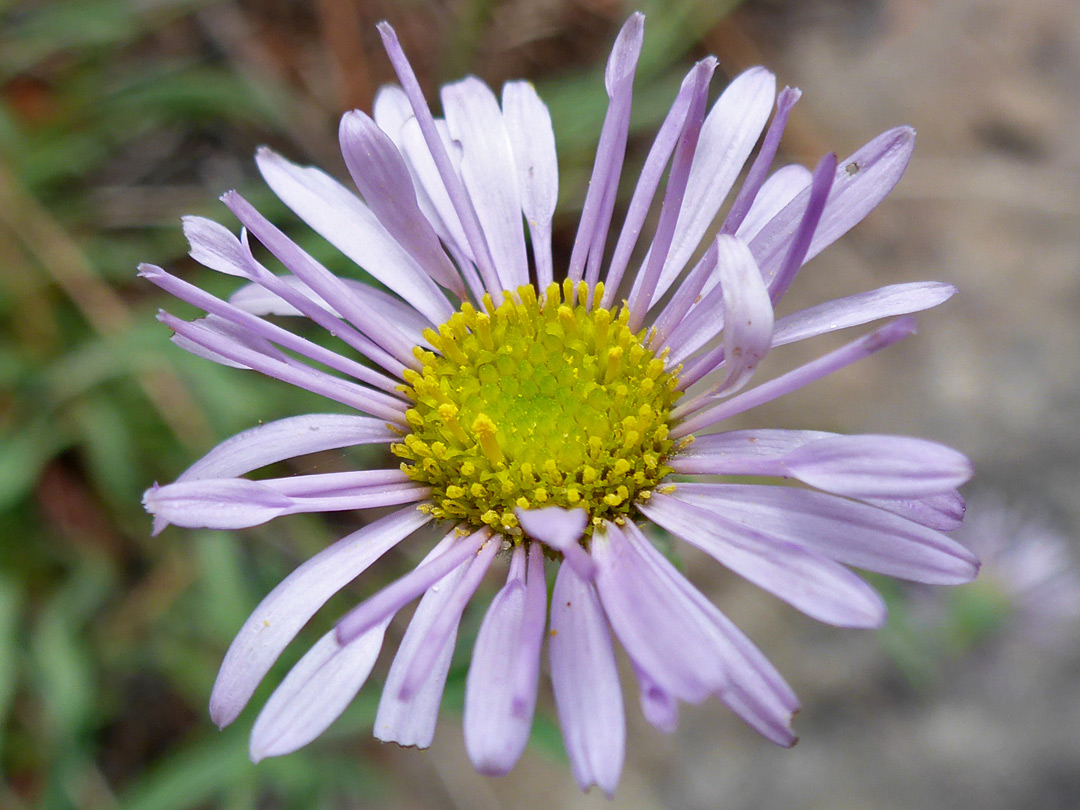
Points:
[(534, 403)]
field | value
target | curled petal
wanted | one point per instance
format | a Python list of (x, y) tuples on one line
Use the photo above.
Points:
[(562, 530), (415, 149), (380, 172), (237, 503), (820, 184), (328, 286), (257, 334), (216, 247), (756, 176), (443, 630), (280, 440)]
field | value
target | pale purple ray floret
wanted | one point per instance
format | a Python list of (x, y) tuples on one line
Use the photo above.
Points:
[(456, 209)]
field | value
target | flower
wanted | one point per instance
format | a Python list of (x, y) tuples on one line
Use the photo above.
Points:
[(541, 421), (1029, 578)]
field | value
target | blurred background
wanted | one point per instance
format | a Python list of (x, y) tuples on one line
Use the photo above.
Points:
[(118, 116)]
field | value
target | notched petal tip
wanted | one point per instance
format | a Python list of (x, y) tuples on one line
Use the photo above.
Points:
[(148, 497), (231, 195), (389, 37), (553, 522), (266, 154), (149, 504), (707, 65)]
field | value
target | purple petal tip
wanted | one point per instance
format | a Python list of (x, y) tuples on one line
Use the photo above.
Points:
[(221, 716), (387, 32), (351, 119), (891, 333)]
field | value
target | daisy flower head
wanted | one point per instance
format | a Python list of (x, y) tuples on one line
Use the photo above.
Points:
[(542, 416), (1029, 583)]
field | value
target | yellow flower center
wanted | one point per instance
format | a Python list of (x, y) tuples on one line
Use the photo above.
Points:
[(537, 402)]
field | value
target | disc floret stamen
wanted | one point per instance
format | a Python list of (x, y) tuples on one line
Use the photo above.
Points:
[(539, 401)]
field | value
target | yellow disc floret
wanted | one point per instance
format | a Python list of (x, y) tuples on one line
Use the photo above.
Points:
[(538, 402)]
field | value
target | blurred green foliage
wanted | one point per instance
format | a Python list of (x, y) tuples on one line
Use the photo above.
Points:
[(116, 117)]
